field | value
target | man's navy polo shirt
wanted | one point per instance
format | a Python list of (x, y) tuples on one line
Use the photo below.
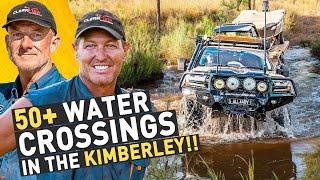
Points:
[(73, 90), (9, 92)]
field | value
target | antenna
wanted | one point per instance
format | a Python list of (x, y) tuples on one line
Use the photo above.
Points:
[(265, 9), (218, 55)]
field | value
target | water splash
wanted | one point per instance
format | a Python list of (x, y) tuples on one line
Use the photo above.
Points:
[(217, 127)]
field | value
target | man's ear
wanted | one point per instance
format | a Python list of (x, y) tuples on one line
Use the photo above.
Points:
[(75, 48), (126, 48), (7, 42), (55, 42)]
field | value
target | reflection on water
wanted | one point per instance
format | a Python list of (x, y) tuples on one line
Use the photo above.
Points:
[(286, 159), (268, 157)]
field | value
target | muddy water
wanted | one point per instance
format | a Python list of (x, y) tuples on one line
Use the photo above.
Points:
[(276, 153), (282, 156)]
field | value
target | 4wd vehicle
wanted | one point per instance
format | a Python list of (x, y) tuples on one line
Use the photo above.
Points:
[(233, 71), (235, 77)]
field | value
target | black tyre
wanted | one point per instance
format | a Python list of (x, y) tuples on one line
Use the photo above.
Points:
[(281, 38)]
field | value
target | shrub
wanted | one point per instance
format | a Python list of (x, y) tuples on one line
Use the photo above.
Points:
[(143, 59), (315, 48), (178, 42)]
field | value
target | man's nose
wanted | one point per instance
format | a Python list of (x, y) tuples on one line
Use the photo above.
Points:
[(26, 43), (101, 54)]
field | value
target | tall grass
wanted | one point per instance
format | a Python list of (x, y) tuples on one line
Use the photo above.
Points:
[(149, 49), (315, 48), (143, 60), (163, 168), (312, 165), (212, 174), (250, 165), (181, 21)]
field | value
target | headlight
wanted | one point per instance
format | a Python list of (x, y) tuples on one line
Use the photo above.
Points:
[(185, 81), (233, 83), (249, 84), (262, 86), (283, 86), (199, 78), (219, 84)]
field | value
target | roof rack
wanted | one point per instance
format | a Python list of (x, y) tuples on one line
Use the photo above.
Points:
[(234, 41)]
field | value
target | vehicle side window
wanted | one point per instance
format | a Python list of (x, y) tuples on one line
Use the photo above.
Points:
[(254, 33)]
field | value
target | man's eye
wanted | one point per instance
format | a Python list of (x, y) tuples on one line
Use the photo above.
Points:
[(36, 35), (89, 46), (111, 46), (16, 34)]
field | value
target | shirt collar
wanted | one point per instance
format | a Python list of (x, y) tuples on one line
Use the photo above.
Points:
[(84, 92), (47, 79)]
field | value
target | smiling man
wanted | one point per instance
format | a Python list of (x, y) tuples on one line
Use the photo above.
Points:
[(100, 48), (30, 41)]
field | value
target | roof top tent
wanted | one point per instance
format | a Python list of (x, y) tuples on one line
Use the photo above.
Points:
[(275, 21)]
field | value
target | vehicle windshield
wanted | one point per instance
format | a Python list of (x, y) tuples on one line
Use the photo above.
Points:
[(233, 58)]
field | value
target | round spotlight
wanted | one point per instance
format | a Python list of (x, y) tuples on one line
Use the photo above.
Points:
[(262, 86), (233, 83), (219, 84), (249, 84)]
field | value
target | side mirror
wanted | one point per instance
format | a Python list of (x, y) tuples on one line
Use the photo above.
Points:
[(182, 64), (283, 70)]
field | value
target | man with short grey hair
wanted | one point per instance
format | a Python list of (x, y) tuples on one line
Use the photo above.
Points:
[(31, 39)]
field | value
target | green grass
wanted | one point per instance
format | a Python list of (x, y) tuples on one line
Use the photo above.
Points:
[(181, 21), (312, 161), (150, 50), (315, 48), (212, 174), (248, 176), (250, 165), (163, 168), (143, 60)]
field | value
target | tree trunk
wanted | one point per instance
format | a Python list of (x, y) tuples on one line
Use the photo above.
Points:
[(249, 4), (158, 16)]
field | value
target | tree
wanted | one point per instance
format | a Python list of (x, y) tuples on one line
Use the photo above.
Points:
[(158, 15)]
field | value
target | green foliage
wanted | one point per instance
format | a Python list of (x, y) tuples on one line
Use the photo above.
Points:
[(305, 42), (212, 174), (250, 164), (180, 24), (275, 176), (178, 42), (162, 168), (312, 162), (143, 60), (291, 20), (206, 25), (234, 4), (315, 48)]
